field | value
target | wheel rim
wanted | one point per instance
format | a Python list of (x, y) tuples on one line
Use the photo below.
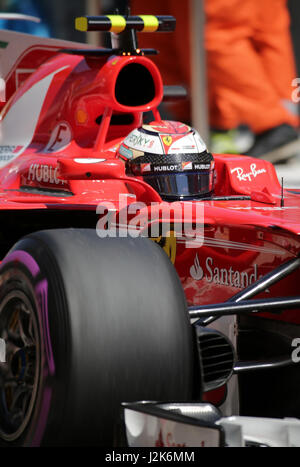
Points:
[(19, 375)]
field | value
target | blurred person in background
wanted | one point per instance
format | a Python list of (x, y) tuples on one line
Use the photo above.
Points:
[(250, 64), (250, 69)]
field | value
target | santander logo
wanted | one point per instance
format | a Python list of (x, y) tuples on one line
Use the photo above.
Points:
[(196, 270), (226, 276), (168, 442), (248, 176)]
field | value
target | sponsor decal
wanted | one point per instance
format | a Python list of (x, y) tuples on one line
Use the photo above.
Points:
[(187, 166), (143, 142), (202, 166), (190, 148), (226, 276), (184, 166), (168, 442), (44, 174), (243, 176), (125, 152), (196, 270), (181, 435), (145, 168), (167, 168), (168, 244), (181, 143), (8, 153), (60, 138), (9, 149), (139, 139), (167, 140)]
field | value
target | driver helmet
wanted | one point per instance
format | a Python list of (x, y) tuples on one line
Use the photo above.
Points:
[(172, 158)]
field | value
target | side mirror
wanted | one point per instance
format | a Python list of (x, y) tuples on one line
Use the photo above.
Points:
[(84, 168)]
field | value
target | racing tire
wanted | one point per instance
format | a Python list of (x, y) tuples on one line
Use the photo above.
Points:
[(88, 323)]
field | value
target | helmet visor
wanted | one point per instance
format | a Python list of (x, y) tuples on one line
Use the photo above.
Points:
[(182, 185)]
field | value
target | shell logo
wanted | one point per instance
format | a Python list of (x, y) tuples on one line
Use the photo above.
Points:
[(168, 244)]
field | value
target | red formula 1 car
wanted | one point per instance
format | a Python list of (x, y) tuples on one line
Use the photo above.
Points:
[(93, 314)]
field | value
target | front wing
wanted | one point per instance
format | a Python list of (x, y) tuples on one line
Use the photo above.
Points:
[(150, 424)]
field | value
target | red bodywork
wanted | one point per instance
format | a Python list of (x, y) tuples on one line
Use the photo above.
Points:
[(60, 132)]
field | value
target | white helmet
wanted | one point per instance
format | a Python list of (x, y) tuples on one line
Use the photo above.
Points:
[(172, 158)]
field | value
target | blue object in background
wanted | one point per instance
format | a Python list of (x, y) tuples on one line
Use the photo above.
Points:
[(26, 7)]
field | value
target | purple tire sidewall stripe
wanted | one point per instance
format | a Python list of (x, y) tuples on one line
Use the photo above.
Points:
[(41, 290), (25, 258), (42, 421)]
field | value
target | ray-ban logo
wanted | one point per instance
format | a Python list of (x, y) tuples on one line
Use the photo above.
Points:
[(2, 351), (248, 176)]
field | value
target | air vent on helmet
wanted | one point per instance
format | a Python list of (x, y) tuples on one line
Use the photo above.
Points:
[(217, 358)]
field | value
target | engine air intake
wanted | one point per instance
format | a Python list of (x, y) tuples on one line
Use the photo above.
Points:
[(134, 86)]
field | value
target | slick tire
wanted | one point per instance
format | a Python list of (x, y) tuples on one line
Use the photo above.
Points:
[(88, 323)]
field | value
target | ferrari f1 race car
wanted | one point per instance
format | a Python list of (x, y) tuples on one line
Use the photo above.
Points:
[(148, 289)]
